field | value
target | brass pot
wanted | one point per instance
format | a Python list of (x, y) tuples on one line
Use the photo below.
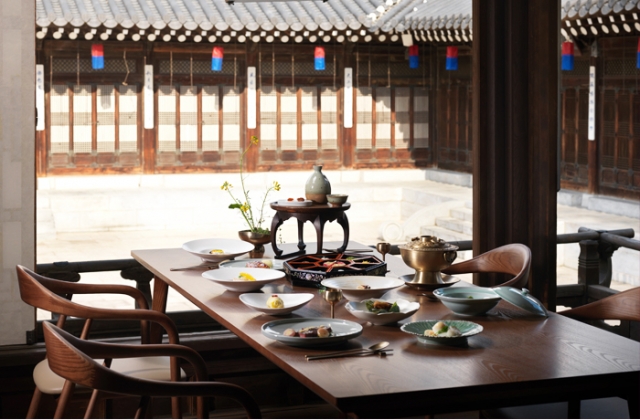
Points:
[(257, 240), (428, 255)]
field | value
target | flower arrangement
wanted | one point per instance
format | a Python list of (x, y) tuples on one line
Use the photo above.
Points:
[(244, 204)]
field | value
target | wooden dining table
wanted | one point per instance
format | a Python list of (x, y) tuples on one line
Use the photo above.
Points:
[(518, 358)]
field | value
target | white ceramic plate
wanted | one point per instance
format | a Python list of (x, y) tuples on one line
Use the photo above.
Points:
[(231, 248), (276, 264), (342, 330), (349, 286), (292, 301), (294, 203), (467, 328), (359, 310), (229, 278)]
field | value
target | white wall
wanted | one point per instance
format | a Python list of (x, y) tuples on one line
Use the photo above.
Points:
[(17, 171)]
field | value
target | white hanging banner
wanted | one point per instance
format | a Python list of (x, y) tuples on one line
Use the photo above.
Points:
[(148, 96), (40, 97), (348, 97), (251, 97), (592, 103)]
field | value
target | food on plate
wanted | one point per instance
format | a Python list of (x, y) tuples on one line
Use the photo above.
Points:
[(275, 302), (216, 251), (440, 329), (246, 277), (321, 331), (289, 199), (364, 287), (260, 264), (334, 264), (296, 199), (380, 306)]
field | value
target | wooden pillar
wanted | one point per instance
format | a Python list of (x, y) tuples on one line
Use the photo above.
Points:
[(515, 133)]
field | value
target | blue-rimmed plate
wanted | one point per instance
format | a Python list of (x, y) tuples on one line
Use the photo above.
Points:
[(342, 330), (467, 328)]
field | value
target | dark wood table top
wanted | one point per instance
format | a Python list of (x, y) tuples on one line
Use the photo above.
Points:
[(519, 358), (313, 208)]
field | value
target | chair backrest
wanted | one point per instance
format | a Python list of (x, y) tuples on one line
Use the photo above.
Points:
[(514, 259), (623, 306)]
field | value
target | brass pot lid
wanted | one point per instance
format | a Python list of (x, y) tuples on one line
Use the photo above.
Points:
[(522, 299), (428, 243)]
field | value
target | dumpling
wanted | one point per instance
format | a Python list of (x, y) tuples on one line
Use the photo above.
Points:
[(452, 332), (439, 327)]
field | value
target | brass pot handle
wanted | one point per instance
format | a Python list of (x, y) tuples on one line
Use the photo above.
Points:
[(450, 256)]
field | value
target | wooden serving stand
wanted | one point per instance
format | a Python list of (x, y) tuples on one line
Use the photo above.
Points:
[(318, 214)]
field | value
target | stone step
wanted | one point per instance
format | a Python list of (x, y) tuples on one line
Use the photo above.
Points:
[(462, 213), (455, 224)]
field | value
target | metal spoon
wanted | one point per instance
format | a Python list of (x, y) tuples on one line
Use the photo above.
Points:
[(372, 349)]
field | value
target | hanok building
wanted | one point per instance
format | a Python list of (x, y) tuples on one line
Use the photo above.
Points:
[(344, 83)]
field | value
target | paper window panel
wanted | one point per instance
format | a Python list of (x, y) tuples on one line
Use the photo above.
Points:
[(383, 118), (59, 108), (210, 123), (364, 118), (329, 118), (128, 119), (230, 119), (403, 121), (188, 119), (166, 119), (106, 124), (289, 119), (309, 117), (82, 108), (421, 118), (268, 119)]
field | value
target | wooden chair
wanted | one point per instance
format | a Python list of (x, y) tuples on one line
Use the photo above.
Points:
[(73, 359), (54, 295), (514, 259), (621, 306)]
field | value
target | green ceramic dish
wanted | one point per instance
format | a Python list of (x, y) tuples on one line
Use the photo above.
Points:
[(467, 328)]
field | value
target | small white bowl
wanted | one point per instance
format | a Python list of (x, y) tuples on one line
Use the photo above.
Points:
[(359, 310), (470, 301), (231, 247), (229, 278), (292, 301), (378, 286)]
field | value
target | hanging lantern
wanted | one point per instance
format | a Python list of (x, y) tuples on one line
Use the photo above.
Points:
[(567, 55), (452, 58), (638, 60), (216, 58), (319, 58), (97, 56), (413, 57)]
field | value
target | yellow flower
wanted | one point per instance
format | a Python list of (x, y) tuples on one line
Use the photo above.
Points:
[(226, 186), (254, 140), (245, 208), (276, 186)]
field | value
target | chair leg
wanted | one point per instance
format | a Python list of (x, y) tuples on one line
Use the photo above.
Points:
[(176, 411), (92, 404), (143, 407), (65, 395), (35, 402)]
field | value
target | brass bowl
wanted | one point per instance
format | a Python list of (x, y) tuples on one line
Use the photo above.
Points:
[(428, 256), (258, 240)]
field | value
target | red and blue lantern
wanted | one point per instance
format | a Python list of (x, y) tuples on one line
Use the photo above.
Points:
[(318, 58), (97, 56), (413, 57), (216, 58), (452, 58), (638, 60), (567, 55)]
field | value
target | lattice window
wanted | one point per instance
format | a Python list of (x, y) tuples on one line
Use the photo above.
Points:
[(188, 118), (106, 124), (166, 119), (59, 119), (82, 108), (70, 65), (210, 122), (128, 119), (329, 116), (268, 118), (283, 68), (200, 67), (309, 117), (403, 121), (364, 118), (420, 118), (383, 118), (289, 119), (231, 118)]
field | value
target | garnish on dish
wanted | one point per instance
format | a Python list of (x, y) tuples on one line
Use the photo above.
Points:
[(364, 287), (275, 302), (216, 252), (246, 277), (381, 307), (260, 264), (334, 264), (321, 331), (440, 329)]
